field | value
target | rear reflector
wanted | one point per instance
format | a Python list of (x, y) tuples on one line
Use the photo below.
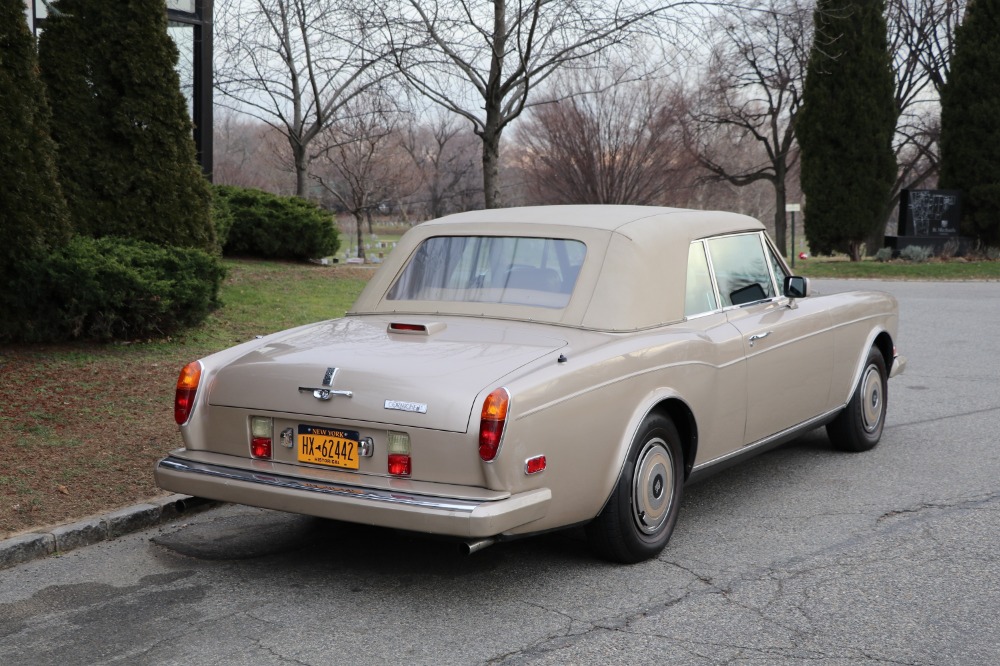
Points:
[(534, 465), (491, 423), (187, 388)]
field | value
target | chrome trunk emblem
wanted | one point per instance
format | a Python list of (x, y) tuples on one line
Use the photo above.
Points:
[(323, 393), (403, 406)]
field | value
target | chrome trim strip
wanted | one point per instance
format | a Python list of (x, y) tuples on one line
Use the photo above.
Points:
[(743, 450), (281, 481)]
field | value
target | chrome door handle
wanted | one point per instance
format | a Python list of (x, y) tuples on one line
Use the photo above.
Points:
[(758, 336)]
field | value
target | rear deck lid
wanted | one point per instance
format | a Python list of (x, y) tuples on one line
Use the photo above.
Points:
[(429, 379)]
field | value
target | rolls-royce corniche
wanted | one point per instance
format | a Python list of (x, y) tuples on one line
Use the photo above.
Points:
[(514, 371)]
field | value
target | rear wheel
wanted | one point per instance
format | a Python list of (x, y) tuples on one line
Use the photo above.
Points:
[(639, 517), (859, 426)]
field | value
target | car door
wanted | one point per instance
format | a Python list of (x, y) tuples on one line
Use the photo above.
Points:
[(788, 344)]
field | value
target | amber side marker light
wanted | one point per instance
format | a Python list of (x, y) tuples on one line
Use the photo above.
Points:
[(492, 422), (187, 388)]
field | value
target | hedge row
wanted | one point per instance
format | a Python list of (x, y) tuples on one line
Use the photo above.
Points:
[(114, 289), (253, 223)]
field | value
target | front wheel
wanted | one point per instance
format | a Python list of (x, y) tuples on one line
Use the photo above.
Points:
[(859, 426), (639, 517)]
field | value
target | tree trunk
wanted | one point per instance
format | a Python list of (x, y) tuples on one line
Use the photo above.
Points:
[(780, 224), (491, 168), (301, 159), (359, 221), (854, 249)]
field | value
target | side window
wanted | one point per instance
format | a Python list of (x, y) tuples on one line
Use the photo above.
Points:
[(779, 270), (741, 269), (700, 294)]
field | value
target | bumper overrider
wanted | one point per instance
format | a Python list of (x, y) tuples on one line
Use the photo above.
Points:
[(465, 517)]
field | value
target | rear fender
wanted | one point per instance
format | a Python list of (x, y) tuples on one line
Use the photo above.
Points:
[(646, 407)]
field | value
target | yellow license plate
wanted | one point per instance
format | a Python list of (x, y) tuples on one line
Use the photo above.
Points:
[(328, 446)]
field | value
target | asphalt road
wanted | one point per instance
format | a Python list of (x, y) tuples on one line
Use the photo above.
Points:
[(802, 555)]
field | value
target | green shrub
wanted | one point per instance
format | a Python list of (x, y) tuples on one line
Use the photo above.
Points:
[(916, 253), (222, 215), (117, 289), (884, 254), (274, 227)]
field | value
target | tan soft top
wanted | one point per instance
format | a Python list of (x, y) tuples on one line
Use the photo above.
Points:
[(632, 278)]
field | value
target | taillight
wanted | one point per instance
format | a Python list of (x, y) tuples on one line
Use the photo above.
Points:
[(491, 423), (399, 454), (261, 431), (187, 388)]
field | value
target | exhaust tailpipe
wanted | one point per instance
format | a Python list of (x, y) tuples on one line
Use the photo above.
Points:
[(470, 547)]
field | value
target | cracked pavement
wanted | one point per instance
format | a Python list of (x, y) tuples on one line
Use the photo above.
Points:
[(800, 556)]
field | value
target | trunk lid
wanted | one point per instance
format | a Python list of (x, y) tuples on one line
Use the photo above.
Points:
[(417, 380)]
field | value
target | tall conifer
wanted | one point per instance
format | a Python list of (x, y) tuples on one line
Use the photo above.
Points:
[(126, 152), (970, 121), (846, 126), (33, 217)]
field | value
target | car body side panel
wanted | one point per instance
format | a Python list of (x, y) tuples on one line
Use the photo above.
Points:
[(789, 364), (622, 380), (859, 317)]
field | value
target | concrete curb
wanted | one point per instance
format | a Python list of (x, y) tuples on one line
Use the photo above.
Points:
[(63, 538)]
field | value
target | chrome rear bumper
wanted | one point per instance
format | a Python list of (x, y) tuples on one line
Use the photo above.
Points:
[(460, 517)]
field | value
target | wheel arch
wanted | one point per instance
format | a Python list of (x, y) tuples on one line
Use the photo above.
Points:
[(880, 339), (883, 341), (680, 413)]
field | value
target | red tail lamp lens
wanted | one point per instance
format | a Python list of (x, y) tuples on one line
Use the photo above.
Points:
[(491, 423), (399, 464), (187, 388), (260, 447)]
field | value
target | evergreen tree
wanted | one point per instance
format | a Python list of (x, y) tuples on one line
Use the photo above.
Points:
[(33, 217), (846, 125), (126, 153), (970, 121)]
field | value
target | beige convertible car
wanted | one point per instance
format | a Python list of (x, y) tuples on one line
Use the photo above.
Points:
[(508, 372)]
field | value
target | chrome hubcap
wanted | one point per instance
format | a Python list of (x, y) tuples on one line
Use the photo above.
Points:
[(652, 486), (871, 399)]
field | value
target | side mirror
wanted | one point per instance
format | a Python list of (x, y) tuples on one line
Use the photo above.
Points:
[(796, 286)]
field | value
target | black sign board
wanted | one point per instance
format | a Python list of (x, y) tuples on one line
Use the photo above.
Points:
[(930, 213)]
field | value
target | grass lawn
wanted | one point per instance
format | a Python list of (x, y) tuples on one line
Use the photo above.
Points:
[(82, 425), (898, 270)]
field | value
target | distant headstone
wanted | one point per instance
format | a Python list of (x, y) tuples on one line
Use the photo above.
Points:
[(930, 213), (930, 218)]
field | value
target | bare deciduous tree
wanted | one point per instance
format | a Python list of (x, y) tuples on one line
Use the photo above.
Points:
[(482, 61), (445, 162), (751, 96), (621, 145), (359, 163), (249, 153), (295, 64)]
